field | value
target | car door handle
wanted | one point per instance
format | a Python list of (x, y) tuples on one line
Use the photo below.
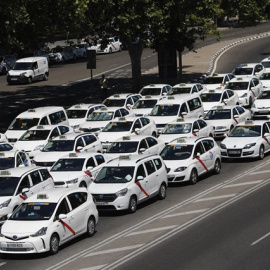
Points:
[(86, 208)]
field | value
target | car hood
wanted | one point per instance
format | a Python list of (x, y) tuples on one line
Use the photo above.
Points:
[(169, 137), (266, 83), (106, 188), (213, 86), (220, 122), (112, 136), (65, 176), (49, 156), (208, 105), (94, 124), (163, 119), (18, 72), (28, 145), (262, 103), (16, 134), (142, 111), (4, 198), (235, 142), (75, 122), (173, 164)]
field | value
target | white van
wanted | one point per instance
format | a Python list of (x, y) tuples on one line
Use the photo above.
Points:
[(29, 69), (50, 115), (172, 107)]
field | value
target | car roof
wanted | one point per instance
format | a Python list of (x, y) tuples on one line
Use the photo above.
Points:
[(71, 136), (10, 153), (133, 138), (252, 122), (149, 97), (224, 107), (156, 85), (45, 127), (242, 79), (81, 155), (121, 96), (183, 85), (267, 59), (31, 59), (213, 91), (191, 140), (127, 118), (185, 120), (39, 111), (177, 99), (109, 109), (128, 160), (19, 171), (84, 106), (218, 75), (53, 195), (246, 65)]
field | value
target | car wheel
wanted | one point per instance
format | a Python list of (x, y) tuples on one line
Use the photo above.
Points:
[(217, 167), (154, 134), (4, 71), (211, 135), (91, 226), (261, 152), (162, 192), (54, 244), (231, 128), (193, 177), (110, 50), (120, 49), (83, 184), (29, 80), (132, 207), (45, 77), (250, 102)]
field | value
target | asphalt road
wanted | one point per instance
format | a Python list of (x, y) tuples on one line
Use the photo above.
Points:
[(215, 224)]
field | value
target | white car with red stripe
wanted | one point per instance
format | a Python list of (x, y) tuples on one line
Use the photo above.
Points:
[(77, 169), (47, 220), (112, 44), (126, 181), (250, 139), (224, 118), (186, 128), (126, 100), (188, 158), (17, 184)]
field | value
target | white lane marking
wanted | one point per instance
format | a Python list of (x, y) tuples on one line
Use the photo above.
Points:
[(267, 171), (215, 198), (260, 239), (1, 264), (152, 230), (244, 184), (186, 213), (112, 250), (155, 217), (97, 267)]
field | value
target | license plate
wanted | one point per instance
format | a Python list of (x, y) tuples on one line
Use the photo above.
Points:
[(235, 152), (13, 79), (264, 111), (17, 245), (101, 203)]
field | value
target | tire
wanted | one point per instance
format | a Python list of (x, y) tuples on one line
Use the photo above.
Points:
[(231, 128), (83, 184), (45, 77), (54, 244), (4, 71), (132, 206), (193, 177), (120, 49), (211, 135), (250, 102), (29, 80), (91, 227), (217, 167), (110, 50), (261, 153), (162, 192), (154, 134)]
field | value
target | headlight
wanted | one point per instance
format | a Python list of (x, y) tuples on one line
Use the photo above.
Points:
[(221, 127), (122, 192), (40, 232), (223, 146), (5, 204), (39, 147), (73, 181), (249, 145), (180, 169), (245, 95), (22, 74)]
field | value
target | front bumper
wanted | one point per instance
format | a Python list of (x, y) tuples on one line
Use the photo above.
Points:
[(239, 153)]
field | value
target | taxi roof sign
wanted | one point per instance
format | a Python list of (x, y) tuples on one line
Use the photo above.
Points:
[(181, 140), (148, 96), (42, 196), (248, 122), (212, 91), (104, 109), (180, 119), (215, 74), (122, 118), (62, 137), (72, 155), (77, 106), (31, 110), (171, 97), (2, 154), (124, 157), (182, 84), (5, 172), (116, 95), (219, 107), (126, 138), (239, 79), (40, 127)]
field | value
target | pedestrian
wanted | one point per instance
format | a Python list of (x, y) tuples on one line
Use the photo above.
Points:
[(104, 86)]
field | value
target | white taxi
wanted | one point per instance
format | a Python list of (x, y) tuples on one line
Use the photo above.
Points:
[(13, 159), (265, 79), (126, 126), (249, 70), (261, 106), (3, 138), (65, 144), (19, 183), (266, 63), (155, 90), (186, 88), (186, 128), (77, 114), (188, 158), (247, 88), (224, 118), (135, 145), (126, 181), (144, 105), (98, 119), (35, 138), (250, 139), (216, 80), (215, 97), (48, 220), (110, 45), (126, 100), (77, 169)]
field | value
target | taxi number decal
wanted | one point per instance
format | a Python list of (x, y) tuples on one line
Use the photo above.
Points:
[(22, 197), (266, 140), (88, 173), (67, 226), (142, 189), (202, 163), (194, 134)]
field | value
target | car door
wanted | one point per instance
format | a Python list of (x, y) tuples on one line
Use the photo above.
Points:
[(36, 181), (143, 147), (146, 128), (91, 143), (204, 128), (243, 115), (153, 174), (153, 146), (24, 183), (79, 210), (141, 185), (47, 181), (266, 137), (210, 153), (201, 157)]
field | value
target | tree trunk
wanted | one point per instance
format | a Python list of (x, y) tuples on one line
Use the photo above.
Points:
[(135, 52), (180, 65)]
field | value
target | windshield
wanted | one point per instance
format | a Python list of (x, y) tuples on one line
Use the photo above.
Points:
[(114, 102), (176, 152), (5, 147), (8, 185), (218, 114), (35, 135), (265, 76), (237, 85), (123, 147), (246, 131), (213, 80), (100, 116), (118, 126), (68, 164), (211, 97), (264, 95), (165, 110), (7, 163), (151, 91), (74, 114), (115, 175), (177, 128), (22, 66), (243, 71), (23, 123), (34, 211), (179, 90), (57, 49), (59, 146), (145, 104), (266, 64)]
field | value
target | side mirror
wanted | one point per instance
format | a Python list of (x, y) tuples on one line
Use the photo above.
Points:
[(225, 100), (184, 113), (128, 106), (79, 148), (62, 216), (266, 134), (198, 155), (139, 178), (89, 168), (25, 190), (196, 130), (142, 150), (236, 116), (137, 131)]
